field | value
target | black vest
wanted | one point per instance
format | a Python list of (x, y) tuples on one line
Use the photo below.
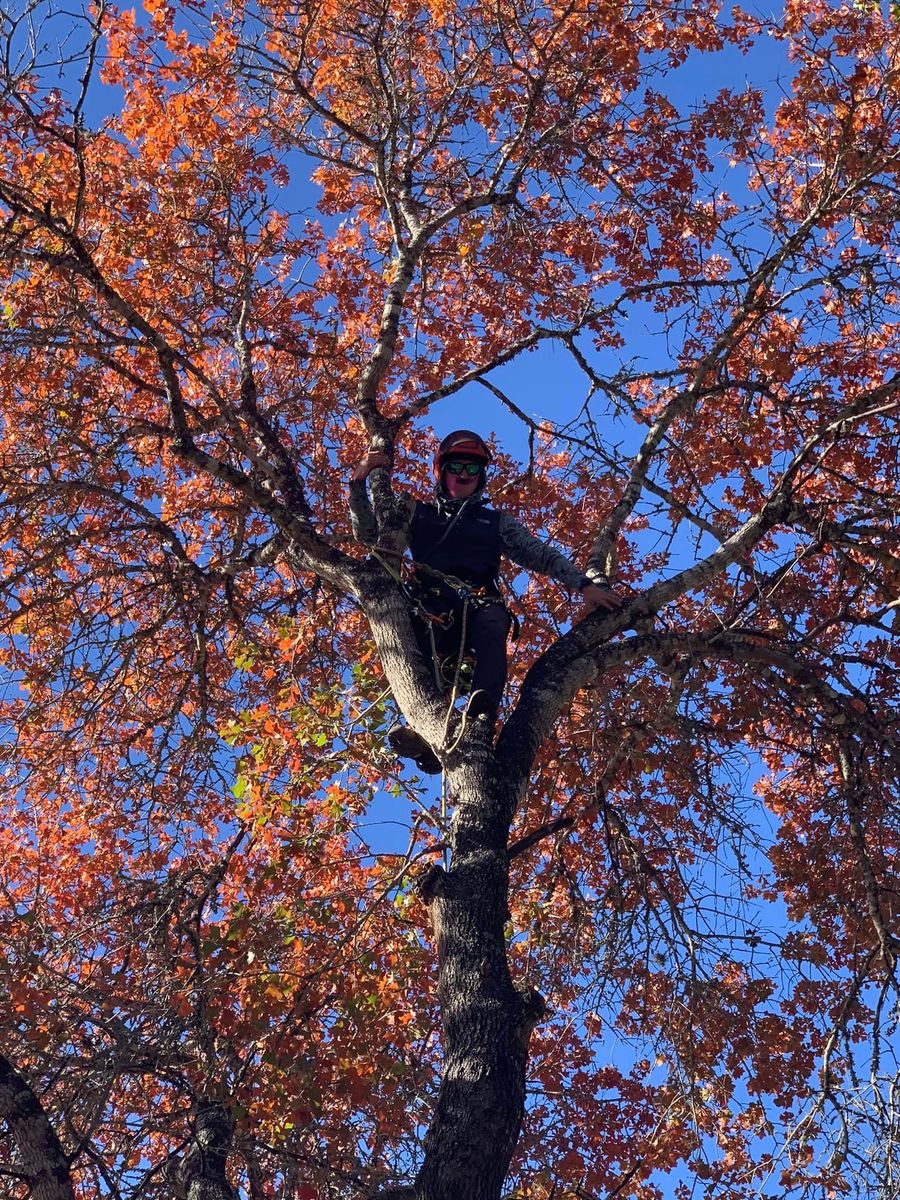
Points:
[(470, 551)]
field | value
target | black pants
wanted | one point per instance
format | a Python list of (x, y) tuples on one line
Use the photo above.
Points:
[(486, 627)]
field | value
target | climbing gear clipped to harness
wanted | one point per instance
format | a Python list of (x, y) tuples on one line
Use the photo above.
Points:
[(435, 603)]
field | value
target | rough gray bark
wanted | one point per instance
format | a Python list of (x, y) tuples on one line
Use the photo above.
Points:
[(40, 1154), (487, 1021)]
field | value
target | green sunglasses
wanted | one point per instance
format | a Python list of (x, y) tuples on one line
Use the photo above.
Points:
[(463, 468)]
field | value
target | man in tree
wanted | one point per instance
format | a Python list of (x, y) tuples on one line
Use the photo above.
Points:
[(456, 543)]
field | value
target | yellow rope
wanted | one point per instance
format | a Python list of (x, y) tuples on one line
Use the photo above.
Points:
[(438, 681), (395, 575)]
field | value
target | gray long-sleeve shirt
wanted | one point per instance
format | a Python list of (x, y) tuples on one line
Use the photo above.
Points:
[(520, 546)]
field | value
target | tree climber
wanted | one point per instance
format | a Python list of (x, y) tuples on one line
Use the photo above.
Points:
[(459, 536)]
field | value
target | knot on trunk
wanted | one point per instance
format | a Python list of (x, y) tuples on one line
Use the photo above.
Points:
[(432, 884), (534, 1009), (433, 887)]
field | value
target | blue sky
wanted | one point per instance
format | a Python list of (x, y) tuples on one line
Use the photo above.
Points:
[(546, 383)]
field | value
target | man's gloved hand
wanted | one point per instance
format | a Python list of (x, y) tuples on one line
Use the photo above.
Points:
[(603, 598), (366, 466)]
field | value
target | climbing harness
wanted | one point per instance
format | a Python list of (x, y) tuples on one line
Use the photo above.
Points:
[(438, 615), (417, 597)]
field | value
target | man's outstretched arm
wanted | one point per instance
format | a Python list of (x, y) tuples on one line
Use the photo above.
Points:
[(528, 551)]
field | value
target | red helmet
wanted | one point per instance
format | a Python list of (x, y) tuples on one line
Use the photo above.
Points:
[(461, 443)]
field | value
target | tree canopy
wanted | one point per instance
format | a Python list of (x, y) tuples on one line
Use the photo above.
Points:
[(645, 945)]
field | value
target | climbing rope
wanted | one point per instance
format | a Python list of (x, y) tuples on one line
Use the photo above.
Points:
[(454, 687), (444, 820)]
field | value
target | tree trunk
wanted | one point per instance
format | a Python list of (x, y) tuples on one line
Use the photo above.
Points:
[(40, 1153), (487, 1021), (201, 1173)]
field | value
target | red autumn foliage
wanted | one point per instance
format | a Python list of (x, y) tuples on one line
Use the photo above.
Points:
[(238, 247)]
